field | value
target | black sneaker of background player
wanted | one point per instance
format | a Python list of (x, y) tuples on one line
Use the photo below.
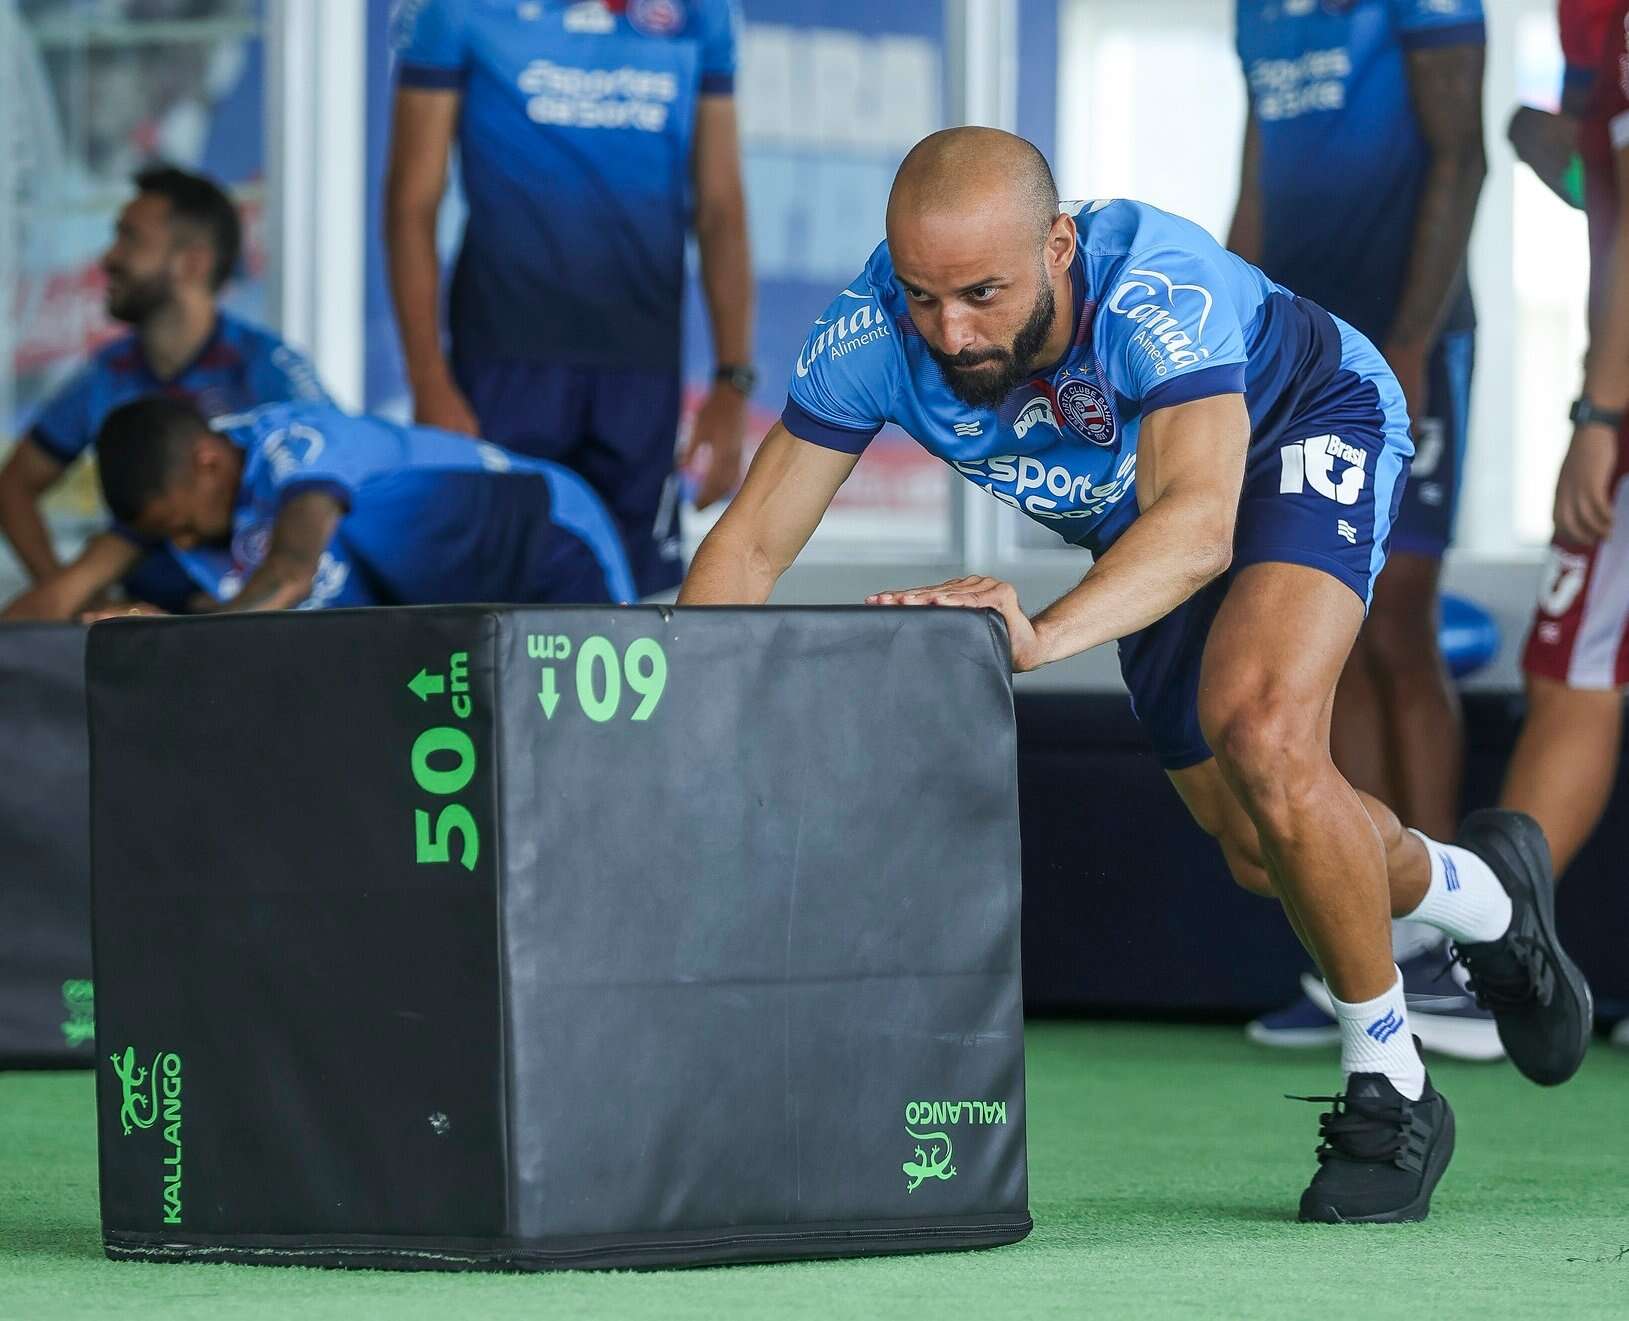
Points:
[(1381, 1154), (1538, 996)]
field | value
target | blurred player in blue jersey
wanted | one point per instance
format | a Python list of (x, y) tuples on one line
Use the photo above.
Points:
[(1363, 162), (591, 136), (1232, 456), (176, 245), (301, 506)]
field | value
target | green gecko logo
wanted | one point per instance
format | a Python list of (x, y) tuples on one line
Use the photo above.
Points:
[(140, 1108), (79, 999), (144, 1088), (926, 1166), (927, 1123)]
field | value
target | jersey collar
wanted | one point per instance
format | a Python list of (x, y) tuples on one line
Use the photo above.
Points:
[(210, 342)]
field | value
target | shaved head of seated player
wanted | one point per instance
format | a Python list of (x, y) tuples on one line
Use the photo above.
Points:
[(166, 475), (983, 257)]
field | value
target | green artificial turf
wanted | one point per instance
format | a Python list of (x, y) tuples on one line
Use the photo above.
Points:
[(1164, 1172)]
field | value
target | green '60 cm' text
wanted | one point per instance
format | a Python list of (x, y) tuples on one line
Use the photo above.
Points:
[(600, 675)]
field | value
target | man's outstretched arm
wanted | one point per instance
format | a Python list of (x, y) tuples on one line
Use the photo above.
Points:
[(107, 557), (786, 493), (28, 474), (1190, 470), (304, 527)]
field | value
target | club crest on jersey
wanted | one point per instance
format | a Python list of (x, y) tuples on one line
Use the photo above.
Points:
[(656, 18), (250, 544), (1086, 410)]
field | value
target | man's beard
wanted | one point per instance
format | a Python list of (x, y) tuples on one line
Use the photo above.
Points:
[(979, 385), (136, 300)]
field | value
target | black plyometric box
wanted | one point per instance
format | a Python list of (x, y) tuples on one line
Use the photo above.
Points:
[(459, 937)]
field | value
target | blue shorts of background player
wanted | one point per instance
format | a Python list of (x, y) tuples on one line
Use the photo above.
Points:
[(615, 426), (1425, 521), (1284, 511)]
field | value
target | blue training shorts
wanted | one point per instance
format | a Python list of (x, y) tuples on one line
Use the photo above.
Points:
[(1425, 523), (616, 427), (1321, 489)]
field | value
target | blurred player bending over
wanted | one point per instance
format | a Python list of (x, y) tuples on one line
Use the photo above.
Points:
[(176, 245), (299, 506), (1232, 456), (1363, 203), (1577, 656)]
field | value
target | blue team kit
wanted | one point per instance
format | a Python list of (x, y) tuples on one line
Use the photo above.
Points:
[(429, 516), (576, 139), (1162, 315), (1340, 139), (581, 228), (239, 367)]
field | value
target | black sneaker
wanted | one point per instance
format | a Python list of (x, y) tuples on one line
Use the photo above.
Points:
[(1381, 1154), (1538, 996)]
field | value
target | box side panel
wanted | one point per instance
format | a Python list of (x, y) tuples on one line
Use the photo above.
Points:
[(761, 920), (299, 1030), (46, 997)]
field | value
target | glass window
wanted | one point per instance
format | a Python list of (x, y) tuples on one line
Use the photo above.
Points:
[(830, 97), (1550, 270), (88, 93), (1152, 106), (1171, 139)]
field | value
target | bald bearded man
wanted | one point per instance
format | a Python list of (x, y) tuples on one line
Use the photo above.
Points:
[(1232, 456)]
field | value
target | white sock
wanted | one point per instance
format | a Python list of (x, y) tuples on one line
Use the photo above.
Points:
[(1375, 1039), (1464, 899), (1411, 939)]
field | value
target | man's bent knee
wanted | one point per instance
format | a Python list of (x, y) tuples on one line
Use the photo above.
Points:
[(1271, 750)]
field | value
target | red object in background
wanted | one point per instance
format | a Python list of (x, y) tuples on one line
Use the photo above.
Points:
[(1584, 27)]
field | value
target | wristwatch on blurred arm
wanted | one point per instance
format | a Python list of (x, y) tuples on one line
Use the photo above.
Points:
[(1585, 411), (741, 379)]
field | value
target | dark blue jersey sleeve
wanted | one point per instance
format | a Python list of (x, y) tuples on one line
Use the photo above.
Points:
[(428, 36), (1438, 22), (66, 424), (720, 21)]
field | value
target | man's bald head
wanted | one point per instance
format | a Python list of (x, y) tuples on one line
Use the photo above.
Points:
[(980, 171), (982, 256)]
